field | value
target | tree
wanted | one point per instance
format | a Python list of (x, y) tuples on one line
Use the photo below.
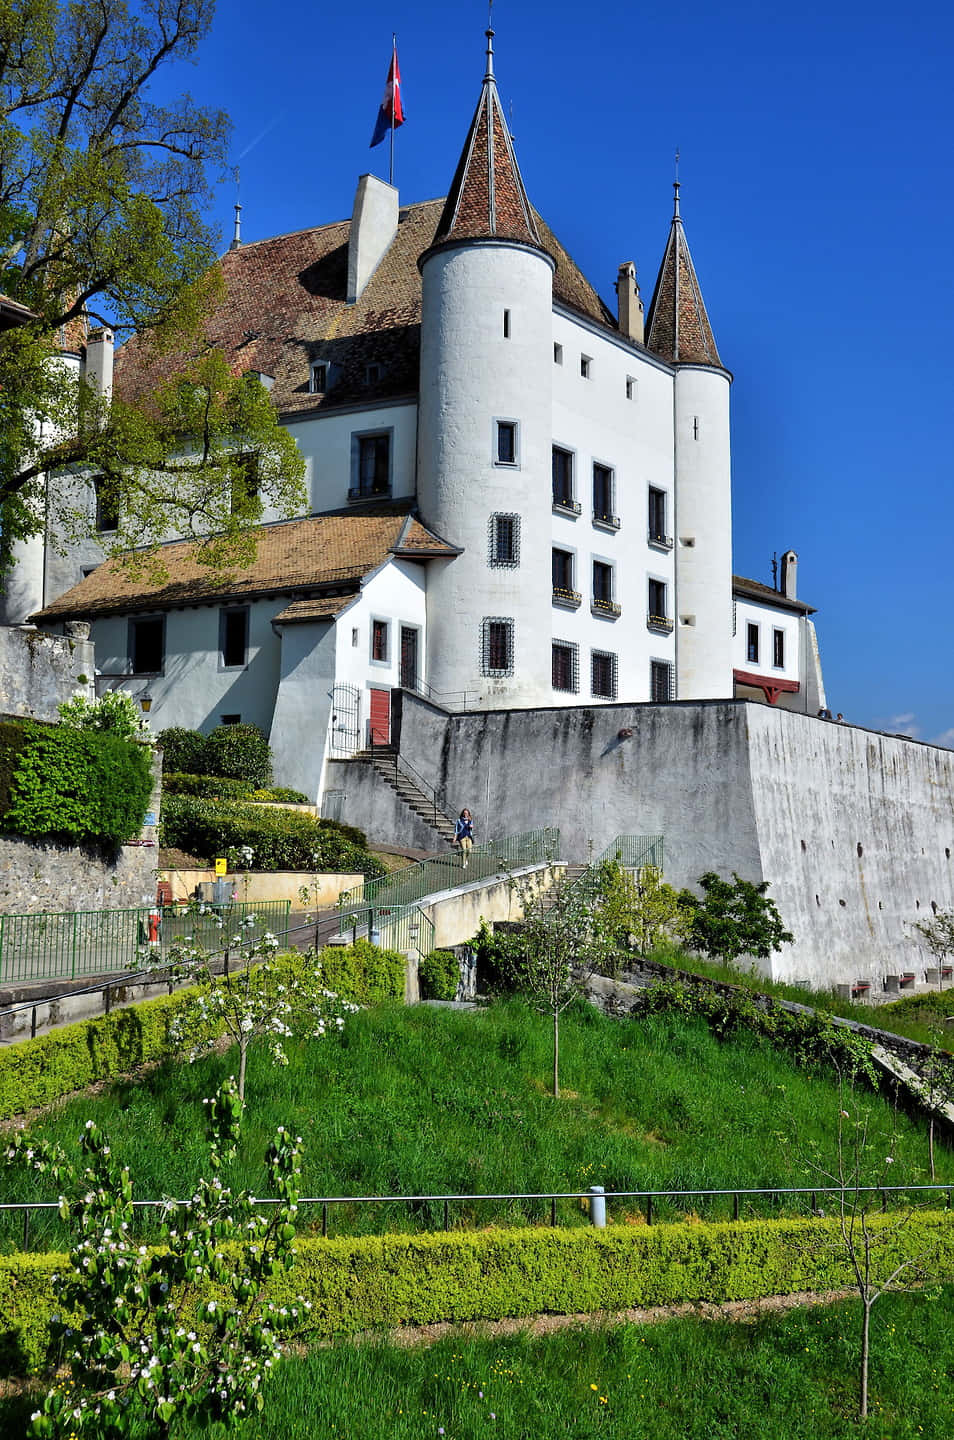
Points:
[(639, 909), (260, 995), (101, 198), (562, 942), (939, 936), (180, 1331), (733, 919)]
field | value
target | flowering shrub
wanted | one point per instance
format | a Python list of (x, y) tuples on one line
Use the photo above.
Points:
[(181, 1331), (116, 713)]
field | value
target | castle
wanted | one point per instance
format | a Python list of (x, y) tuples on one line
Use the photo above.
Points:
[(518, 498)]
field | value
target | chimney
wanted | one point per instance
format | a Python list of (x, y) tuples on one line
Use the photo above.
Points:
[(630, 305), (789, 574), (374, 223), (99, 362)]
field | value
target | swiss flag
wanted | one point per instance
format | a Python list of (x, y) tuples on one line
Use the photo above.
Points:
[(391, 113)]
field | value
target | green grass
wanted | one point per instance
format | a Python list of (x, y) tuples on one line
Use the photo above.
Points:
[(917, 1017), (786, 1377), (425, 1101)]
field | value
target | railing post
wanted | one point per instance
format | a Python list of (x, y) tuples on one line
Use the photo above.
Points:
[(649, 1209), (735, 1206), (33, 1023), (26, 1229), (446, 1216), (553, 1210), (598, 1207), (73, 959)]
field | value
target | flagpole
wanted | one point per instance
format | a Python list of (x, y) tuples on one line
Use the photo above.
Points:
[(393, 73)]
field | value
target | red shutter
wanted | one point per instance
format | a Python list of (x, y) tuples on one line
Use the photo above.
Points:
[(380, 722)]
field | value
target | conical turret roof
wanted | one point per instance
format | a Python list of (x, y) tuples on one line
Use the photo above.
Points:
[(678, 327), (488, 199)]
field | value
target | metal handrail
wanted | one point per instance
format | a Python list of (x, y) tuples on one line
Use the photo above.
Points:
[(427, 789), (775, 1192)]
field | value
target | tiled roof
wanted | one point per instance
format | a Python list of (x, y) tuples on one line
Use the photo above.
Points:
[(285, 306), (323, 607), (487, 197), (755, 590), (328, 552), (678, 327), (13, 313)]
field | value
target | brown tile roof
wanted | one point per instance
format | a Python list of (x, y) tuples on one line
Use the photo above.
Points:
[(284, 307), (678, 327), (323, 607), (755, 590), (328, 552)]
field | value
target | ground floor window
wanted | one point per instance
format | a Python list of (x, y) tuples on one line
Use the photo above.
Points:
[(660, 681), (496, 646), (603, 674), (565, 665)]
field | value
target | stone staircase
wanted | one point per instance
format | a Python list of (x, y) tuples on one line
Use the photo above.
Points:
[(386, 763), (571, 875)]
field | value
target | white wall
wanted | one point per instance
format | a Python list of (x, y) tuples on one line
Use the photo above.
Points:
[(768, 619), (325, 442), (395, 594)]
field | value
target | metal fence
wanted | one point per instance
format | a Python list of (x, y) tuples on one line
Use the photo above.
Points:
[(398, 927), (633, 852), (76, 943), (403, 887)]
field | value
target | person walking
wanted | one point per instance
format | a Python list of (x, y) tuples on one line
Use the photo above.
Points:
[(464, 836)]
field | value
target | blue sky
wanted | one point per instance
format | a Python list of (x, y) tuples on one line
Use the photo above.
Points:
[(819, 206)]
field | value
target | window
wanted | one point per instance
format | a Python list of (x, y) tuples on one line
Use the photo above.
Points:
[(505, 540), (373, 373), (370, 466), (603, 496), (496, 646), (657, 600), (319, 378), (557, 354), (231, 719), (585, 366), (752, 644), (505, 449), (233, 637), (603, 674), (602, 582), (354, 635), (107, 503), (695, 427), (630, 388), (506, 324), (657, 518), (147, 645), (562, 569), (566, 666), (778, 649), (660, 681), (563, 479), (380, 641)]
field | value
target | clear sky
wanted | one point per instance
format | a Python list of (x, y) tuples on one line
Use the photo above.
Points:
[(819, 206)]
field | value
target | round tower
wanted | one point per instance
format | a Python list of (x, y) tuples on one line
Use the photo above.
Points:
[(678, 330), (484, 436)]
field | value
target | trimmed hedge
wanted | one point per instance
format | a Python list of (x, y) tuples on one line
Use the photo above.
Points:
[(81, 786), (374, 1281), (439, 975), (240, 752), (280, 839), (183, 751), (363, 973), (204, 787)]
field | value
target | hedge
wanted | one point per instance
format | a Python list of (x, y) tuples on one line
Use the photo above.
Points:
[(381, 1281), (219, 787), (240, 752), (182, 750), (37, 1072), (439, 975), (80, 786), (280, 839)]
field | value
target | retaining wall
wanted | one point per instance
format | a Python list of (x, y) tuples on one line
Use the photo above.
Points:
[(38, 671)]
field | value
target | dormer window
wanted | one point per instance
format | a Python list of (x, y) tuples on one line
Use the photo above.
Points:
[(319, 377), (373, 372)]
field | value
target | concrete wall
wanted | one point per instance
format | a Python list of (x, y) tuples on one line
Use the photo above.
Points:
[(853, 829), (260, 885), (456, 914), (45, 877), (39, 671)]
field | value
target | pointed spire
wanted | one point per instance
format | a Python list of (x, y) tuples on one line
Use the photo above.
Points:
[(487, 198), (678, 327), (237, 231)]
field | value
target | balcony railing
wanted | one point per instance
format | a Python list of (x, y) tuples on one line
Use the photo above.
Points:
[(605, 607), (606, 522), (568, 599), (566, 505), (661, 542), (356, 494), (660, 623)]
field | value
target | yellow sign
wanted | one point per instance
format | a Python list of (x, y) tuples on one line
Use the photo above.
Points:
[(220, 866)]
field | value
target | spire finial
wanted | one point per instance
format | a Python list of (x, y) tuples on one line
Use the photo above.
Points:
[(237, 233), (489, 32), (675, 190)]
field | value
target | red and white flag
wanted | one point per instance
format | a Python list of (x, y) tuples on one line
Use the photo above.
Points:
[(391, 114)]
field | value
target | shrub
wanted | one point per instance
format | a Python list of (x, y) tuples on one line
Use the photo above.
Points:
[(206, 787), (363, 973), (281, 795), (734, 918), (115, 712), (439, 975), (80, 786), (13, 742), (183, 751), (239, 752), (280, 839)]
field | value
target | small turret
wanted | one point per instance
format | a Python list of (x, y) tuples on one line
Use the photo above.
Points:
[(678, 329)]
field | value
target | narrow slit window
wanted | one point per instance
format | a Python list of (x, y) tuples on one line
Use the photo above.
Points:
[(506, 324)]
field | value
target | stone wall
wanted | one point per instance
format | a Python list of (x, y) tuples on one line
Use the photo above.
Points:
[(44, 877), (38, 671), (853, 829)]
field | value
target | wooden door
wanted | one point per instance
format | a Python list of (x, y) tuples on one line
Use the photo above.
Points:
[(379, 723)]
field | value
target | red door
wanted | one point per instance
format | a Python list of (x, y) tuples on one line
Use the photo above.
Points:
[(380, 722)]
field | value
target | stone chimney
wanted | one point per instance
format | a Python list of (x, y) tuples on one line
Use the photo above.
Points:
[(630, 305), (374, 223), (789, 575), (99, 362)]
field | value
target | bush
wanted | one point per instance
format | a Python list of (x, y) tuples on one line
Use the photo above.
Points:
[(13, 742), (733, 919), (281, 795), (183, 751), (239, 752), (205, 787), (80, 786), (280, 839), (364, 973), (439, 975), (115, 712)]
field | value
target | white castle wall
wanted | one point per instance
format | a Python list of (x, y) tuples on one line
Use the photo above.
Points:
[(326, 441)]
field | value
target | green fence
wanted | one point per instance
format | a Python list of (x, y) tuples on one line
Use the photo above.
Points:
[(403, 887), (633, 852), (79, 943), (399, 927)]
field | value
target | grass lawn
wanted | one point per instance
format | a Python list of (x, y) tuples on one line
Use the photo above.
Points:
[(424, 1101), (786, 1377)]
